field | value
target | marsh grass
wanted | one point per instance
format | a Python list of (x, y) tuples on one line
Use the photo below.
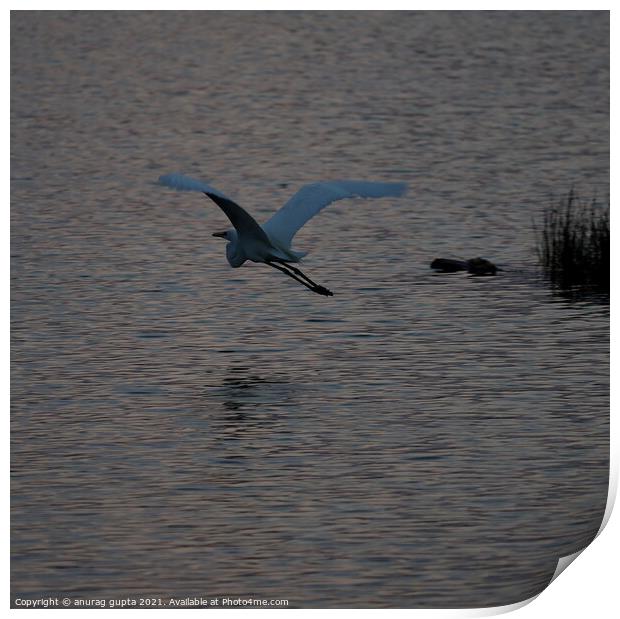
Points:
[(573, 244)]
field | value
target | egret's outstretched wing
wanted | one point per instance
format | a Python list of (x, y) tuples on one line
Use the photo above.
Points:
[(244, 223), (309, 200)]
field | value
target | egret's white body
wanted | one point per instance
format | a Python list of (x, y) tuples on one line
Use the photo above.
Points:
[(271, 242)]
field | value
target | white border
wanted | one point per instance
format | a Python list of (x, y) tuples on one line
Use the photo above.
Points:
[(588, 587)]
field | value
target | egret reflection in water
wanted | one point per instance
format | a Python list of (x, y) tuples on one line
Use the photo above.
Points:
[(243, 388)]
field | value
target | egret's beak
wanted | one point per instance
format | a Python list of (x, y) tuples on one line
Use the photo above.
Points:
[(220, 234)]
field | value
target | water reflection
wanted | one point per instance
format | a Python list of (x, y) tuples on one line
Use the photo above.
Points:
[(241, 387)]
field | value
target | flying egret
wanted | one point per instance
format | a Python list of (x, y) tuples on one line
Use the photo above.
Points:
[(271, 243)]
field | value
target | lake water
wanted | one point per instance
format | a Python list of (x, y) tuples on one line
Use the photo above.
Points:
[(182, 428)]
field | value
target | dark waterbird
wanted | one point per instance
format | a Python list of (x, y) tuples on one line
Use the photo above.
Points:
[(475, 266)]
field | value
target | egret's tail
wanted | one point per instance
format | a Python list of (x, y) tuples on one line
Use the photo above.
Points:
[(282, 251), (288, 255)]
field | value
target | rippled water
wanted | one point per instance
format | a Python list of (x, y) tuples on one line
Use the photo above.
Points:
[(180, 428)]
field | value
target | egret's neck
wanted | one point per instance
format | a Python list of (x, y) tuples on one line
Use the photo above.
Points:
[(234, 253)]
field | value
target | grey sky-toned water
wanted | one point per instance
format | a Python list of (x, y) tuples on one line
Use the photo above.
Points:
[(181, 428)]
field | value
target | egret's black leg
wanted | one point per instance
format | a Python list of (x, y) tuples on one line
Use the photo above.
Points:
[(285, 270), (298, 272), (317, 287), (288, 265), (308, 284)]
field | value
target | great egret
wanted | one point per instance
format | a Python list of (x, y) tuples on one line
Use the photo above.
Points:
[(271, 243)]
